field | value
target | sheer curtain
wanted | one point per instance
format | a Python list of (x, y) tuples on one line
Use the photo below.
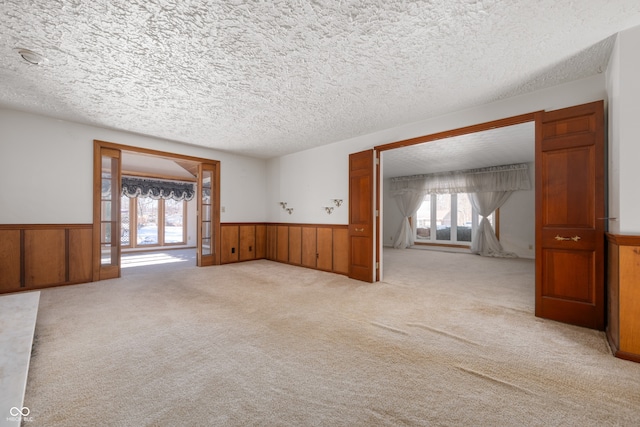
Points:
[(485, 242), (488, 187), (408, 202)]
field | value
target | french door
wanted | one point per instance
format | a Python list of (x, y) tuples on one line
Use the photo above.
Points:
[(106, 212), (107, 177), (208, 214)]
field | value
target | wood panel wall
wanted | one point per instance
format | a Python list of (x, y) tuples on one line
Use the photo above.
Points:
[(623, 280), (318, 246), (36, 256)]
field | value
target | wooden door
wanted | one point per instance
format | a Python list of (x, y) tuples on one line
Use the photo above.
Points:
[(361, 208), (208, 252), (569, 215), (106, 212)]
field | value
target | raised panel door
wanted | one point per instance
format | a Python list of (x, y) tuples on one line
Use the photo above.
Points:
[(570, 216)]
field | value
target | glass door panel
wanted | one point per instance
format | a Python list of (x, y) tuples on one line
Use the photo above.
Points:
[(174, 215), (208, 214), (107, 214)]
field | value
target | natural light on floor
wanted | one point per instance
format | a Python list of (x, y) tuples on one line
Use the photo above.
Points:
[(133, 260)]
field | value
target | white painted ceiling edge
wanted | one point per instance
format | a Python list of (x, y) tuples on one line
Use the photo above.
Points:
[(265, 79)]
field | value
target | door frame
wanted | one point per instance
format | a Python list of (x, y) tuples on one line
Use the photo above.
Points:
[(495, 124), (537, 118), (98, 146)]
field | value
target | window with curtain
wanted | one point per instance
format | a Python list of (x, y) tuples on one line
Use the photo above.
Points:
[(153, 212), (486, 189), (450, 216)]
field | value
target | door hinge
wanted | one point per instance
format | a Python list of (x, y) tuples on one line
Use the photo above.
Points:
[(377, 212), (377, 265), (377, 160)]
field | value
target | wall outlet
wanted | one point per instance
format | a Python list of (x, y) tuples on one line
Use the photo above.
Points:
[(530, 247), (222, 209)]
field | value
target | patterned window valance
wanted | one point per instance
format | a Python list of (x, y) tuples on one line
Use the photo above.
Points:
[(156, 189)]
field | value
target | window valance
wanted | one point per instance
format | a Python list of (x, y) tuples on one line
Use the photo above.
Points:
[(495, 178), (157, 189)]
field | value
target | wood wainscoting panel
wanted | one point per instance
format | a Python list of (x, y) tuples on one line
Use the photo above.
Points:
[(45, 257), (10, 260), (247, 242), (341, 250), (630, 299), (613, 296), (623, 286), (282, 254), (272, 242), (309, 246), (295, 245), (261, 241), (80, 255), (228, 243), (325, 249)]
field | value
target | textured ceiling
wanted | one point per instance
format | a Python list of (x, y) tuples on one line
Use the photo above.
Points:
[(495, 147), (266, 78)]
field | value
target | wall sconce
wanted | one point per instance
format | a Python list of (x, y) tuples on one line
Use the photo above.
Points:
[(337, 202), (290, 210), (284, 205), (329, 209)]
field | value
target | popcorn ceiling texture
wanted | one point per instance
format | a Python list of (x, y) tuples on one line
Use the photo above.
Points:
[(494, 147), (267, 78)]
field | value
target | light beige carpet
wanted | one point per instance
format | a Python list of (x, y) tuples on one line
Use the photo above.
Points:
[(446, 340)]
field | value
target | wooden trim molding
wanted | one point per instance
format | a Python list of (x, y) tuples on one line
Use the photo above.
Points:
[(509, 121), (44, 226), (623, 239)]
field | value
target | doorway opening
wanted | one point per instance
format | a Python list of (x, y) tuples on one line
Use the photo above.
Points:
[(153, 208)]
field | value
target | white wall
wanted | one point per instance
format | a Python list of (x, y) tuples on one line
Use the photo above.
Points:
[(308, 179), (307, 182), (46, 171), (623, 87), (518, 221)]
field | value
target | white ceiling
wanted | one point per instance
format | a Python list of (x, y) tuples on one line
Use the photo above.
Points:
[(495, 147), (267, 78), (151, 165)]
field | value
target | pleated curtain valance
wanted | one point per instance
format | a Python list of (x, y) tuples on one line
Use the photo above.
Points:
[(495, 178), (157, 189)]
